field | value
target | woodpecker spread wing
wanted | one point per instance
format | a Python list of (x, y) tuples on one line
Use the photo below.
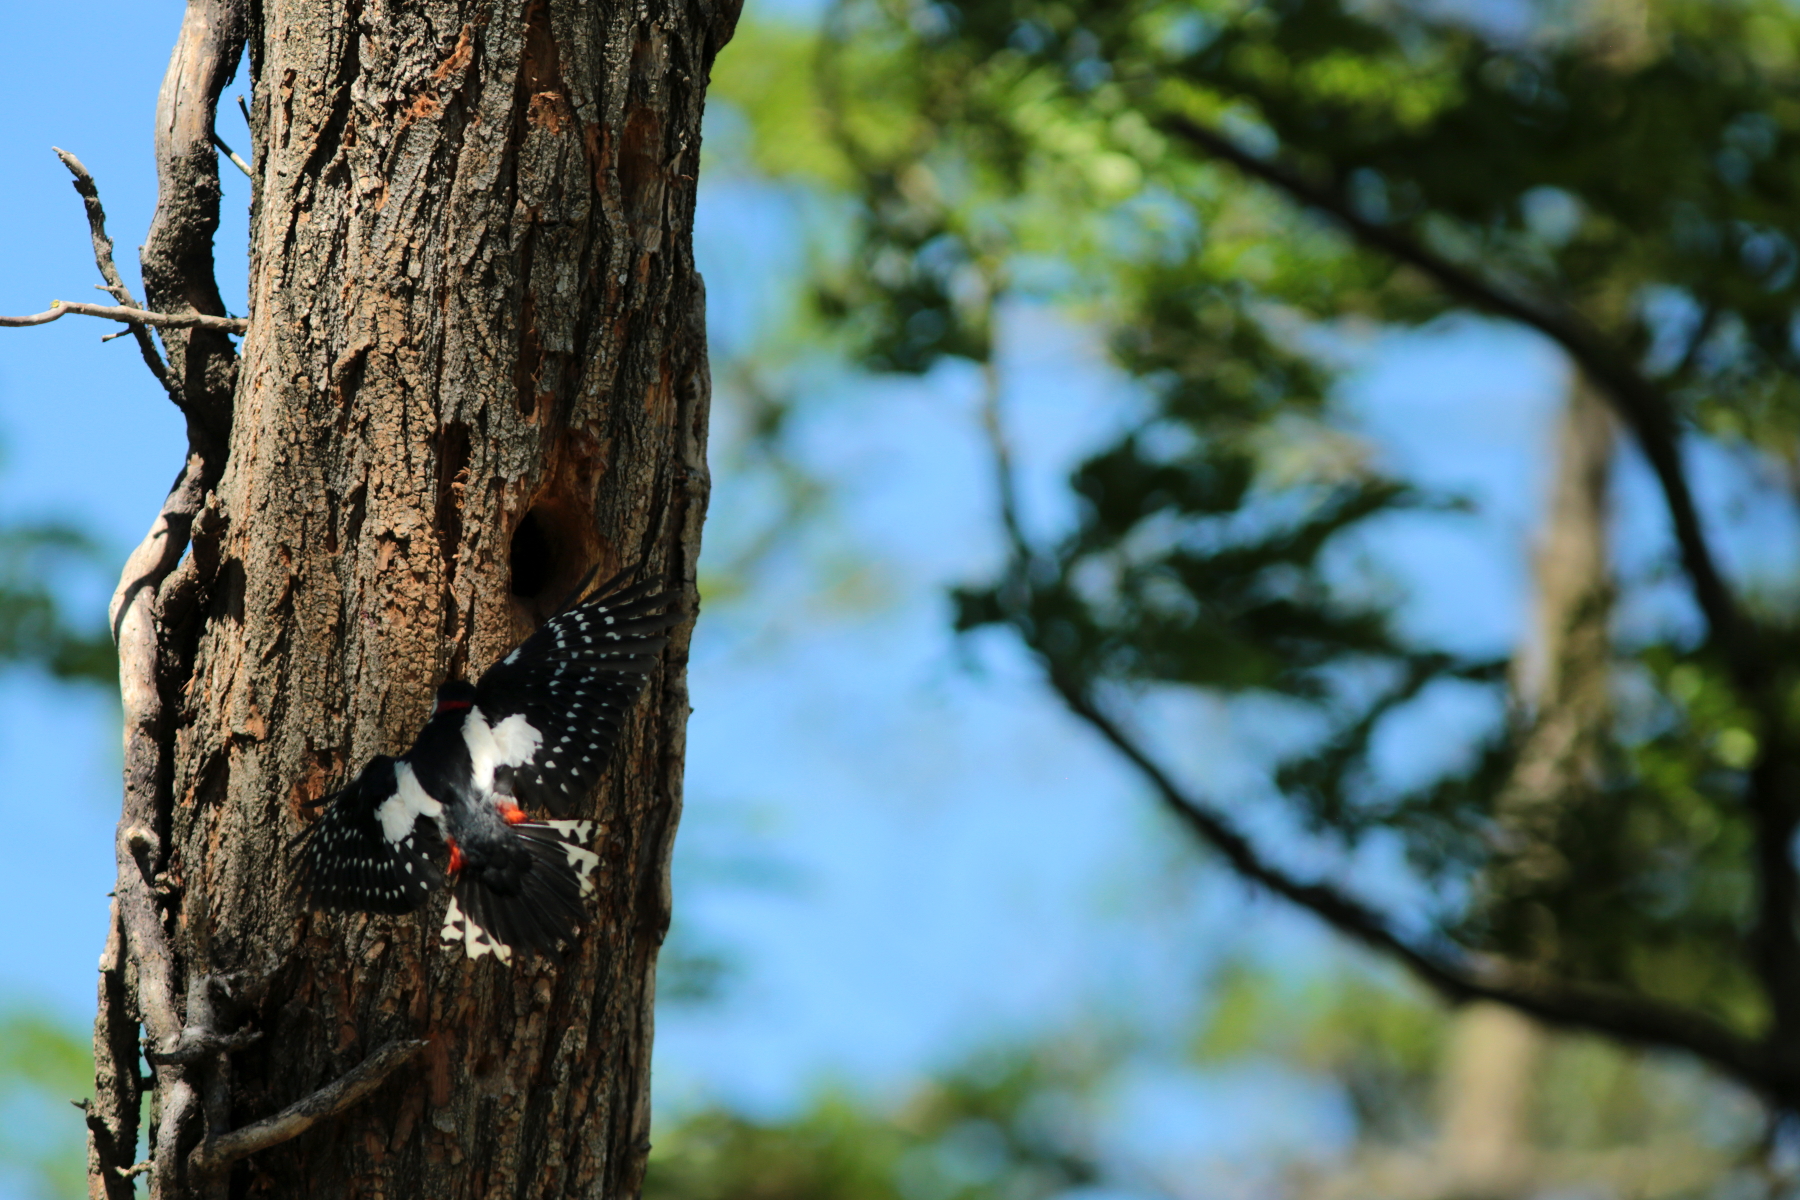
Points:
[(526, 898), (373, 849), (554, 706)]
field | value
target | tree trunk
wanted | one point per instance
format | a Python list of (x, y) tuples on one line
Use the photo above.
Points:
[(475, 369), (1563, 680)]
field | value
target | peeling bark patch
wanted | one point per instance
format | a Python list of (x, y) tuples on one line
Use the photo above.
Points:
[(313, 786), (453, 481), (531, 350), (547, 104), (425, 104), (460, 55), (548, 111), (641, 173)]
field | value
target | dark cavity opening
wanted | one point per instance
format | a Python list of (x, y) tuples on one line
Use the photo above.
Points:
[(533, 557)]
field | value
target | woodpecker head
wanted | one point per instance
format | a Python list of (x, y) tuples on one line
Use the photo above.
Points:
[(454, 697)]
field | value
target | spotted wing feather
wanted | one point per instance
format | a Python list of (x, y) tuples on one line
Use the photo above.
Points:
[(348, 861), (573, 683)]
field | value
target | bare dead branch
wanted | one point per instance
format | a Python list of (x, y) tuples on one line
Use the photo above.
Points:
[(145, 939), (195, 1045), (137, 316), (1643, 407), (112, 1116), (216, 1153), (144, 942), (232, 155), (177, 255), (200, 375), (89, 192)]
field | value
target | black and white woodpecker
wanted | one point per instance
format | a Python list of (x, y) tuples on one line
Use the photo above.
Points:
[(534, 730)]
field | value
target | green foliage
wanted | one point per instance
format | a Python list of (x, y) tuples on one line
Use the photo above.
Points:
[(35, 627), (1386, 1046), (1030, 1124), (1008, 1127), (1640, 181), (1382, 1044), (43, 1066)]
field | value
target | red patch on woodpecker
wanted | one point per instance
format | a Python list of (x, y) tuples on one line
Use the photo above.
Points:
[(511, 813), (456, 858), (445, 706)]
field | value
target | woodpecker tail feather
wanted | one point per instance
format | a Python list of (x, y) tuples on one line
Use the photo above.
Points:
[(535, 903)]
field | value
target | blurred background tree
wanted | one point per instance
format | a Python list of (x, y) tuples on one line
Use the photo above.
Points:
[(1228, 190)]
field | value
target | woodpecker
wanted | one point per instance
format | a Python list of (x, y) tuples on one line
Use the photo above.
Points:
[(535, 729)]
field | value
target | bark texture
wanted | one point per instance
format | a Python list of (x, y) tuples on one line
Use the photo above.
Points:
[(475, 369)]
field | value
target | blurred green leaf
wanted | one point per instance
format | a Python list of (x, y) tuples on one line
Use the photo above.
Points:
[(44, 1064)]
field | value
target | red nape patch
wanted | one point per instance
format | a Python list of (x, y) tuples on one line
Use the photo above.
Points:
[(456, 858), (511, 813), (445, 706)]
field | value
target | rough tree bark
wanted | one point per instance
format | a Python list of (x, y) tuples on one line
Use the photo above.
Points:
[(474, 369)]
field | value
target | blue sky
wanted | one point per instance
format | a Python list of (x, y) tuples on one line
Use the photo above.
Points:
[(906, 848)]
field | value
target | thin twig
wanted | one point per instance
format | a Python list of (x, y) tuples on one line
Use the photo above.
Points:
[(61, 308), (232, 155), (218, 1152), (89, 191), (1640, 404)]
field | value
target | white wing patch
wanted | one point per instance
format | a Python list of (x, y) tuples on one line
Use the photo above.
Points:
[(517, 740), (511, 743), (475, 942), (401, 811), (582, 861)]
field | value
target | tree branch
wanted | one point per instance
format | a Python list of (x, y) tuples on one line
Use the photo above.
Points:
[(89, 192), (136, 316), (237, 162), (1647, 411), (177, 255), (216, 1153), (195, 1045), (1453, 974), (1615, 1014), (200, 375), (145, 938), (1643, 407)]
